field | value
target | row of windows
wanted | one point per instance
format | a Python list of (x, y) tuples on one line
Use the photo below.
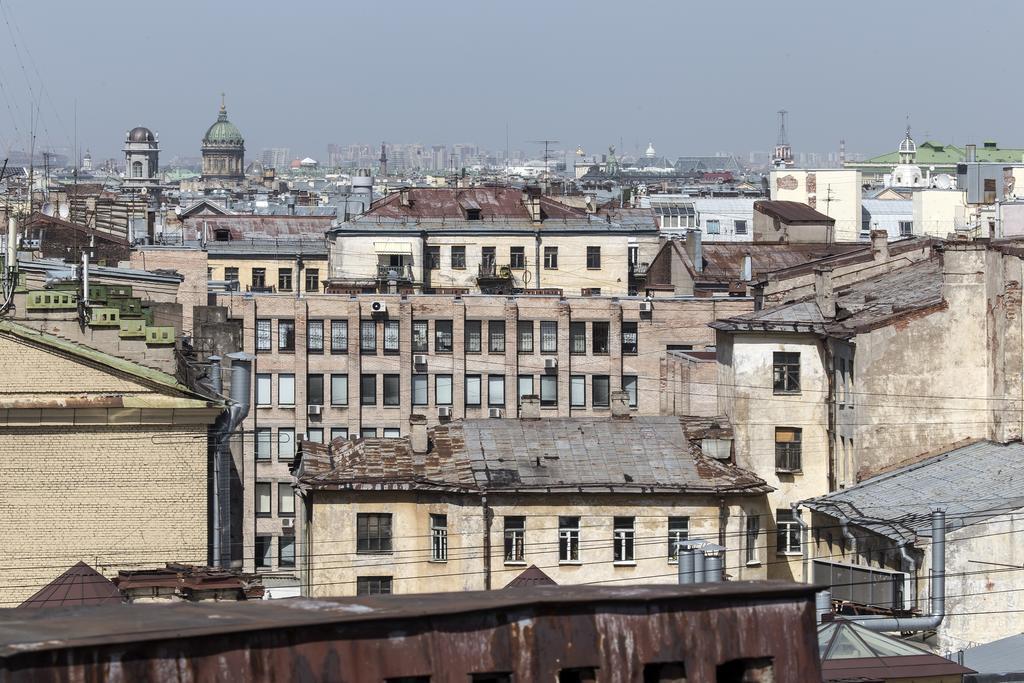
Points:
[(516, 257), (265, 551), (528, 336), (284, 278), (391, 394), (285, 499)]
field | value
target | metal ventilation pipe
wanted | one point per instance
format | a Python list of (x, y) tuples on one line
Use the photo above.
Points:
[(85, 278), (685, 557), (12, 243), (241, 386), (822, 605), (713, 567), (216, 382), (937, 590)]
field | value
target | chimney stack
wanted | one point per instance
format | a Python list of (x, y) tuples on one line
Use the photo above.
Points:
[(418, 434), (880, 245), (695, 250), (620, 405), (529, 407), (403, 197), (748, 268), (970, 153), (824, 294)]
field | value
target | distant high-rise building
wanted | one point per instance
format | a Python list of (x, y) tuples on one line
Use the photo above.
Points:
[(275, 157)]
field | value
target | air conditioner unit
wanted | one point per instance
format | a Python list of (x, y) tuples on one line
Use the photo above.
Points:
[(378, 307), (494, 412), (444, 411), (314, 409), (288, 523), (419, 359), (646, 307), (550, 363)]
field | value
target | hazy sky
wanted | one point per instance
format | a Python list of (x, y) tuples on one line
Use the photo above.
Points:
[(694, 77)]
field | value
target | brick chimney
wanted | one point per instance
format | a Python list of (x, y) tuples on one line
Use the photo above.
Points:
[(824, 293), (620, 405), (880, 245), (418, 434), (529, 407)]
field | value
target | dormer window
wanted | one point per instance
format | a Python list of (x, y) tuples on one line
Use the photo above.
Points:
[(473, 215), (222, 235)]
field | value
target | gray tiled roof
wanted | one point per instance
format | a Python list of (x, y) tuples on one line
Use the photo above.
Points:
[(971, 483)]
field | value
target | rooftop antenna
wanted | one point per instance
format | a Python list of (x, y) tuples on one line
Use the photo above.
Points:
[(783, 137), (547, 151)]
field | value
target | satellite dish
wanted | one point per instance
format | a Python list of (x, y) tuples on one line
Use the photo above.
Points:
[(144, 190), (943, 181), (47, 209), (64, 211)]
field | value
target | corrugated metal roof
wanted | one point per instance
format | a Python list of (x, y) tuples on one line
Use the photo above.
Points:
[(791, 212), (972, 483), (80, 585)]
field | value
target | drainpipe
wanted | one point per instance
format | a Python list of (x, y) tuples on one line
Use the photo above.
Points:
[(937, 591), (795, 507), (536, 260), (241, 385), (216, 382), (844, 526), (487, 542), (909, 563), (723, 523), (85, 278)]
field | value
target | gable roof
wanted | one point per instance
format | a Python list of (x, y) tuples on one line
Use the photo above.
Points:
[(531, 576), (79, 585), (650, 454), (988, 478)]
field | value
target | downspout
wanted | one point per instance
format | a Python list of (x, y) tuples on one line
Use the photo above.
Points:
[(487, 542), (241, 386), (844, 527), (795, 507), (536, 260), (723, 521), (909, 563), (831, 406)]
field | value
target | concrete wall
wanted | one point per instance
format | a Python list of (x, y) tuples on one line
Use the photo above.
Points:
[(938, 213), (833, 192)]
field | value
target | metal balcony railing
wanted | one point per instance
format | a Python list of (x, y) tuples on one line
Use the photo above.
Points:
[(400, 273), (493, 270)]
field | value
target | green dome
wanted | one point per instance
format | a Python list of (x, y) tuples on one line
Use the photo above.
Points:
[(223, 132)]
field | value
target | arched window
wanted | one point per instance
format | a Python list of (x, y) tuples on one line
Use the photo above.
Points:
[(136, 169)]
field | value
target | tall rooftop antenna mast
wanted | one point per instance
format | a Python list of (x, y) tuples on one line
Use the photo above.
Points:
[(783, 157), (783, 137), (547, 151)]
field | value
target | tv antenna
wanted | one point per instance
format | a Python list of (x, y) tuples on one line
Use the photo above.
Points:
[(547, 151)]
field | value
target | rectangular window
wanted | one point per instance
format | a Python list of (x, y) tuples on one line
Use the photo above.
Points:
[(392, 433), (458, 258), (368, 336), (473, 390), (419, 390), (392, 390), (517, 257), (525, 386), (600, 340), (312, 279), (593, 258), (496, 336), (285, 335), (678, 531), (578, 391), (339, 433), (906, 228), (433, 258), (515, 539), (578, 339), (285, 499), (263, 493), (600, 391), (786, 372), (753, 532), (314, 390), (629, 385), (263, 334), (438, 538), (443, 390), (315, 336), (373, 585), (286, 444), (548, 391), (629, 338), (391, 329), (568, 539), (286, 551), (264, 544), (787, 449), (496, 390), (714, 227), (551, 258), (284, 279), (525, 336), (443, 336), (548, 336), (368, 390), (285, 389), (315, 434), (488, 257), (339, 390), (259, 278), (787, 539), (339, 336), (420, 336), (263, 443), (623, 538), (472, 336), (740, 227), (373, 532), (368, 433), (263, 383), (231, 274)]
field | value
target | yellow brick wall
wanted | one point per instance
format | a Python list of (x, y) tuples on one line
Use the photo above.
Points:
[(120, 497), (44, 372)]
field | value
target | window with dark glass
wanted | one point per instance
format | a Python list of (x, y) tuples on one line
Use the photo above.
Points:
[(787, 532), (551, 258), (786, 372), (433, 258), (264, 548), (600, 340), (629, 338), (339, 336), (392, 390), (373, 585), (548, 336), (788, 449), (525, 336), (259, 278), (548, 391), (517, 257), (368, 390), (368, 336), (231, 274), (438, 538), (458, 258), (515, 539), (443, 336), (623, 539), (312, 279), (391, 335), (752, 536), (420, 336), (496, 336), (678, 531), (373, 532), (285, 335), (314, 390), (286, 551), (578, 339), (315, 336), (488, 257), (600, 391), (284, 279), (593, 258), (473, 336), (568, 539), (263, 327)]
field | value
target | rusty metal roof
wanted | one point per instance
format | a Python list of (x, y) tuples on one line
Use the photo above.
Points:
[(190, 579), (791, 212), (653, 454), (80, 585), (248, 227), (531, 578), (493, 202)]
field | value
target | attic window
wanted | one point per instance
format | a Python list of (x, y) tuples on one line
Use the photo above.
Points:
[(473, 215), (222, 235)]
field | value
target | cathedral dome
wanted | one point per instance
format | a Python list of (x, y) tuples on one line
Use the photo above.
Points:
[(223, 132), (141, 134), (907, 144)]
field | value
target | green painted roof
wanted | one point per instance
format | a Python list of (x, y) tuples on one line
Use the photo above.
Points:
[(223, 132), (155, 378), (932, 153)]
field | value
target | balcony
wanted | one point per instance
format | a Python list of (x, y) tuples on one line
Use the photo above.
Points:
[(260, 289), (639, 270), (494, 279), (402, 273)]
